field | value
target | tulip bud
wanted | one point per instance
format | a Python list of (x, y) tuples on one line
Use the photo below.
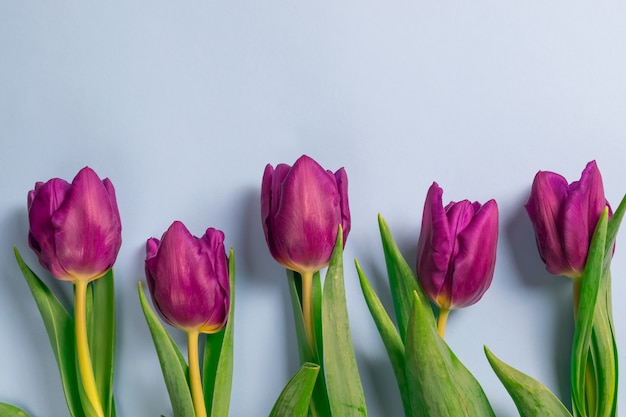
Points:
[(188, 278), (75, 229), (301, 209), (564, 218), (456, 252)]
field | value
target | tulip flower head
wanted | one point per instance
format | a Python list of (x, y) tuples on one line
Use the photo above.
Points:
[(456, 252), (564, 218), (301, 209), (188, 278), (75, 229)]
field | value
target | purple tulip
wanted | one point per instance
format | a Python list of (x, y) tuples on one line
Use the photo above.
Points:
[(188, 278), (564, 218), (456, 252), (301, 208), (75, 229)]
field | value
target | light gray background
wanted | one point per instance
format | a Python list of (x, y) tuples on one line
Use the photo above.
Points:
[(181, 105)]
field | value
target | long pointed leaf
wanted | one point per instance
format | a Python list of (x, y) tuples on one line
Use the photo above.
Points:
[(60, 328), (218, 358), (342, 375), (531, 397), (294, 400), (389, 335), (590, 289), (439, 383), (175, 373), (102, 338), (402, 280)]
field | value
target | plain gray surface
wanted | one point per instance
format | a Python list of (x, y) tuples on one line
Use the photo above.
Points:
[(182, 104)]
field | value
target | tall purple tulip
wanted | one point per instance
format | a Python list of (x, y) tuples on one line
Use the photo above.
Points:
[(564, 218), (188, 278), (456, 252), (75, 229), (301, 209)]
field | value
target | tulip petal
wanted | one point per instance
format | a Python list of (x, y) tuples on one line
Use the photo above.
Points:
[(434, 245), (188, 278), (474, 262), (547, 196), (582, 209), (43, 201), (305, 222), (87, 228)]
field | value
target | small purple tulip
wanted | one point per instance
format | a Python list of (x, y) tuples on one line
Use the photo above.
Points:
[(188, 278), (75, 229), (301, 209), (564, 218), (456, 252)]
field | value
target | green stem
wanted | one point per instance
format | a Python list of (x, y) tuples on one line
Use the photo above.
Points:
[(307, 306), (82, 347), (194, 374), (442, 320), (578, 284)]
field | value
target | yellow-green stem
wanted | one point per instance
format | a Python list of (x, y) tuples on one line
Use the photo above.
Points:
[(442, 320), (82, 347), (307, 306), (194, 374)]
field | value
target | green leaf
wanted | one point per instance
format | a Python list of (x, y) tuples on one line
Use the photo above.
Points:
[(342, 376), (531, 397), (583, 404), (320, 406), (102, 337), (218, 358), (438, 382), (7, 410), (294, 400), (60, 328), (402, 281), (175, 370), (389, 334)]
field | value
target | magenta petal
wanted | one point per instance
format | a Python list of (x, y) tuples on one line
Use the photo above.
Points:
[(44, 201), (301, 209), (342, 187), (581, 212), (434, 244), (188, 279), (87, 228), (475, 258)]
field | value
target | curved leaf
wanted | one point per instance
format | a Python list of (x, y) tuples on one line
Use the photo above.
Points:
[(175, 370), (439, 384), (389, 335), (7, 410), (530, 396), (294, 400), (342, 375), (60, 328), (218, 358)]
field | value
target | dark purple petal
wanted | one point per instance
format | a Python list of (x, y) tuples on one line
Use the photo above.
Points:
[(301, 209), (188, 279), (44, 200), (434, 245), (547, 198), (475, 257), (87, 228), (581, 212), (342, 187)]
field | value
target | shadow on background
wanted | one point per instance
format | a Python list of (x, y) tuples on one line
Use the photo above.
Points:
[(520, 236)]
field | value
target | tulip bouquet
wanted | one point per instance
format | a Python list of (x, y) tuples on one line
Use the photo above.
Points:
[(75, 231)]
